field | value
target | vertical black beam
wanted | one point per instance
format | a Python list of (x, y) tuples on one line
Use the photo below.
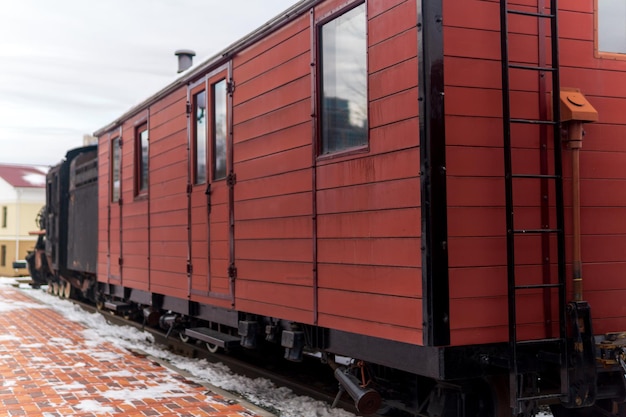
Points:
[(435, 284)]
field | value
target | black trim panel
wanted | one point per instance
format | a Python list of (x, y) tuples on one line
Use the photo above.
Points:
[(435, 285)]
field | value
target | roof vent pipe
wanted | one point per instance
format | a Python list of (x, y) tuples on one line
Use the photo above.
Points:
[(185, 59)]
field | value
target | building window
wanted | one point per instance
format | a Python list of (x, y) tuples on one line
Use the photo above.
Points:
[(611, 26), (141, 159), (199, 135), (219, 129), (3, 255), (4, 216), (115, 170), (343, 46)]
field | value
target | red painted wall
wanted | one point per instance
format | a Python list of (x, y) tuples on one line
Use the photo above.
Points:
[(475, 172), (335, 241)]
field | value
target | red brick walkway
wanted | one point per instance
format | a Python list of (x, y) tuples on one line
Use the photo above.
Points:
[(48, 369)]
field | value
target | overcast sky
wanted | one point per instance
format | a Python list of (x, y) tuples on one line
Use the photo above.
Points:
[(69, 67)]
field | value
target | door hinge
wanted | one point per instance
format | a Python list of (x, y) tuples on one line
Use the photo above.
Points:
[(120, 261), (189, 267), (231, 179), (208, 197), (189, 188), (232, 271), (230, 86), (188, 109)]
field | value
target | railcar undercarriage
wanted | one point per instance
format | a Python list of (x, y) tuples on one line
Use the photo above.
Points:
[(467, 381)]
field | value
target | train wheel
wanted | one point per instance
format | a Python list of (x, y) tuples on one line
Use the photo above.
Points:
[(212, 348), (183, 337), (67, 290), (55, 288)]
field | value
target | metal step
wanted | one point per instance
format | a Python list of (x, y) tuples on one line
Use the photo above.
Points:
[(541, 397), (553, 340), (534, 286), (536, 176), (213, 337), (118, 306)]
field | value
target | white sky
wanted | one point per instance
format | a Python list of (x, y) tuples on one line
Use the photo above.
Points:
[(69, 67)]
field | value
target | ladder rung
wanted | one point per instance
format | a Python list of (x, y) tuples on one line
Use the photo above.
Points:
[(534, 122), (538, 176), (538, 341), (533, 231), (540, 397), (533, 286), (533, 14), (532, 67)]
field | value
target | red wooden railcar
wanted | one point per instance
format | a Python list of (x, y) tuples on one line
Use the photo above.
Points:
[(389, 180)]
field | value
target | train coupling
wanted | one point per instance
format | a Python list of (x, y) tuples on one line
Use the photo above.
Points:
[(169, 321), (366, 400), (612, 351)]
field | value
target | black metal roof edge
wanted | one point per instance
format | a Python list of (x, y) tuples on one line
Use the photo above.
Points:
[(272, 25)]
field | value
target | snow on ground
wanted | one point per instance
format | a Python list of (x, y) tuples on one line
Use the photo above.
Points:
[(259, 391)]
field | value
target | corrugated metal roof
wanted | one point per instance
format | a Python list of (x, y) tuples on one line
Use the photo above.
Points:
[(24, 176)]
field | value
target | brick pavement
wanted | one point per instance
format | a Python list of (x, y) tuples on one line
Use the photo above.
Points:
[(48, 369)]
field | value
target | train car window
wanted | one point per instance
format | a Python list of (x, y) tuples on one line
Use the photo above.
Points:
[(4, 216), (219, 129), (141, 161), (611, 26), (3, 255), (200, 148), (115, 170), (343, 96)]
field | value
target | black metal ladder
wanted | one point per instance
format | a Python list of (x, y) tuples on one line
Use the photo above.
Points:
[(519, 396)]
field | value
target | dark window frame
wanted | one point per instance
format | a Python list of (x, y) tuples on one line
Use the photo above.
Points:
[(142, 161), (3, 255), (217, 78), (319, 23), (116, 143), (195, 139), (5, 214)]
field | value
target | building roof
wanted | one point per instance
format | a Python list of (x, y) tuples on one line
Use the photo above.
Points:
[(24, 176)]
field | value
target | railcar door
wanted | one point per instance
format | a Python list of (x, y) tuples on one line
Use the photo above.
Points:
[(210, 235)]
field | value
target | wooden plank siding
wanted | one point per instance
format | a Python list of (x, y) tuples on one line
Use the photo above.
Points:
[(475, 171), (167, 192), (335, 240), (368, 204), (363, 208), (273, 195), (476, 216), (368, 217)]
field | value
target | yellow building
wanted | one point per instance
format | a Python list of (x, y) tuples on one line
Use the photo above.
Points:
[(22, 195)]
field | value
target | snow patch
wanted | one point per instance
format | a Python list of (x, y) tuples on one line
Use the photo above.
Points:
[(93, 406), (35, 179)]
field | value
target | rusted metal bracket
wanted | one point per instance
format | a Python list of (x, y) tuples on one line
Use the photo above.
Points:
[(582, 357)]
